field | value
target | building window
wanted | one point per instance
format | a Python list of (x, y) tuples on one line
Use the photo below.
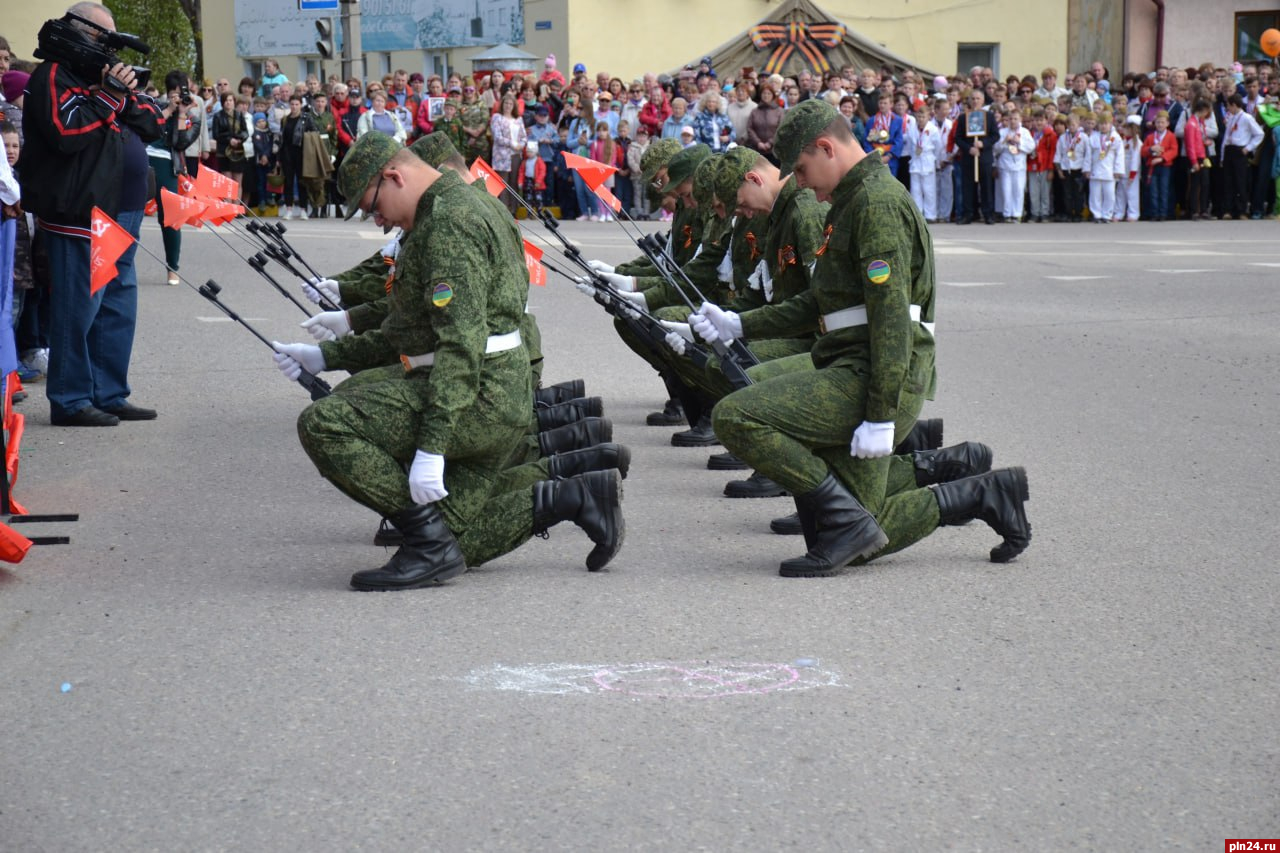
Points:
[(986, 55), (1249, 29)]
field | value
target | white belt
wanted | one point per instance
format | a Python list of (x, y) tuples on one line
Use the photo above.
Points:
[(847, 318), (495, 343)]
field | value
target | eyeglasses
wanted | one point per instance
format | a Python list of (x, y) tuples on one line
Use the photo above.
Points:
[(373, 206)]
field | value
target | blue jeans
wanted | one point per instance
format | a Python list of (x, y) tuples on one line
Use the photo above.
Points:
[(1160, 179), (587, 204), (90, 337)]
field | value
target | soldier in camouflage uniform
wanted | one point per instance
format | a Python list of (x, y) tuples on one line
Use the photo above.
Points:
[(827, 434), (462, 397)]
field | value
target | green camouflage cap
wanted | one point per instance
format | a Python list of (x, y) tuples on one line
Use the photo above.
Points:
[(434, 148), (682, 166), (801, 125), (704, 181), (733, 171), (365, 159), (657, 155)]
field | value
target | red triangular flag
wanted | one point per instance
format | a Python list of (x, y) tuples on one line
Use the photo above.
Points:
[(482, 170), (606, 195), (186, 186), (181, 210), (533, 260), (593, 174), (150, 208), (220, 212), (108, 241), (215, 184)]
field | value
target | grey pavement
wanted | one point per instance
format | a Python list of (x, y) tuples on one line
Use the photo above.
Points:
[(1114, 688)]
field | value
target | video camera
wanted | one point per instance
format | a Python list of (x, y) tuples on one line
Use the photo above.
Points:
[(65, 40)]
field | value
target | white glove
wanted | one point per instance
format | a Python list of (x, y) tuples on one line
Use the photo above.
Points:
[(426, 478), (715, 323), (681, 329), (585, 288), (871, 440), (292, 359), (328, 326), (392, 249), (676, 343), (636, 299), (317, 288), (624, 283), (600, 266)]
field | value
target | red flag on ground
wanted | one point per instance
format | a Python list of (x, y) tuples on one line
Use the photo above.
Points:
[(482, 170), (107, 243), (181, 210), (215, 184), (533, 260), (606, 195), (593, 174)]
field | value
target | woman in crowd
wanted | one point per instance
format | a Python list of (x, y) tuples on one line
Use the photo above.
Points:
[(509, 138), (381, 119), (762, 124), (230, 130)]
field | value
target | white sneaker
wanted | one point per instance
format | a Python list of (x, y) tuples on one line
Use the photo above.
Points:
[(38, 360), (286, 212), (300, 213)]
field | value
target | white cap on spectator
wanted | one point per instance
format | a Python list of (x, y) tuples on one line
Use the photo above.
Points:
[(1134, 120)]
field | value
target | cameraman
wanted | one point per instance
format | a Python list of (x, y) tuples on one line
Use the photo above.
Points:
[(181, 129), (86, 129)]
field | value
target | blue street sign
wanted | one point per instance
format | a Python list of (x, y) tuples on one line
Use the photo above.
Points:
[(317, 5)]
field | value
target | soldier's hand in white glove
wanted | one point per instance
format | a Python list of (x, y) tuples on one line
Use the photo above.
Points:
[(585, 287), (328, 326), (681, 329), (318, 288), (292, 359), (600, 266), (871, 440), (392, 249), (636, 299), (713, 323), (623, 283), (426, 478)]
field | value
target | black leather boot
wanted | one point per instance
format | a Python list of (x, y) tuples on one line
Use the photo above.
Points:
[(672, 414), (430, 554), (726, 462), (593, 501), (585, 433), (843, 531), (550, 417), (701, 435), (602, 457), (561, 392), (925, 435), (951, 463), (998, 498), (755, 486), (787, 525), (387, 535)]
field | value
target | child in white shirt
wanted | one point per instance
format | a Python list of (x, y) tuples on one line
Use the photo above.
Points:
[(1106, 166), (925, 154), (1011, 159)]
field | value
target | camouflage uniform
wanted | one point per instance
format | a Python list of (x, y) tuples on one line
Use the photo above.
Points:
[(656, 158), (457, 283), (796, 428), (476, 116)]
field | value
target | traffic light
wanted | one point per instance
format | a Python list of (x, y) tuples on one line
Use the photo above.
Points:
[(324, 40)]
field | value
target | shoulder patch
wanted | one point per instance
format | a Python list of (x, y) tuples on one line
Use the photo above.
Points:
[(442, 295), (878, 272)]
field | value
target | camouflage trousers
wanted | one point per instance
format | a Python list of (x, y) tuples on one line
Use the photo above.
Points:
[(795, 428), (362, 438)]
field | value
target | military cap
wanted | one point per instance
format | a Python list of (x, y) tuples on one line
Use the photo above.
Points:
[(365, 159), (657, 155), (704, 181), (434, 148), (801, 125), (733, 171), (681, 167)]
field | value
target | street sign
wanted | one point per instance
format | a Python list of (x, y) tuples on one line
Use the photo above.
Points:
[(317, 5)]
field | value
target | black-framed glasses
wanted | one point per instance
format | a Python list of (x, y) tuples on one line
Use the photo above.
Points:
[(373, 205)]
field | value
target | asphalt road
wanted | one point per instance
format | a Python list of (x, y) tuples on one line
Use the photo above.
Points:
[(1114, 688)]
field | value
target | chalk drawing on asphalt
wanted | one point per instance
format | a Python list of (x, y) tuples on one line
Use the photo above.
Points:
[(656, 679)]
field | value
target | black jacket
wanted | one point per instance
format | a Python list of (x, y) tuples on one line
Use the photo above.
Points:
[(72, 158)]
